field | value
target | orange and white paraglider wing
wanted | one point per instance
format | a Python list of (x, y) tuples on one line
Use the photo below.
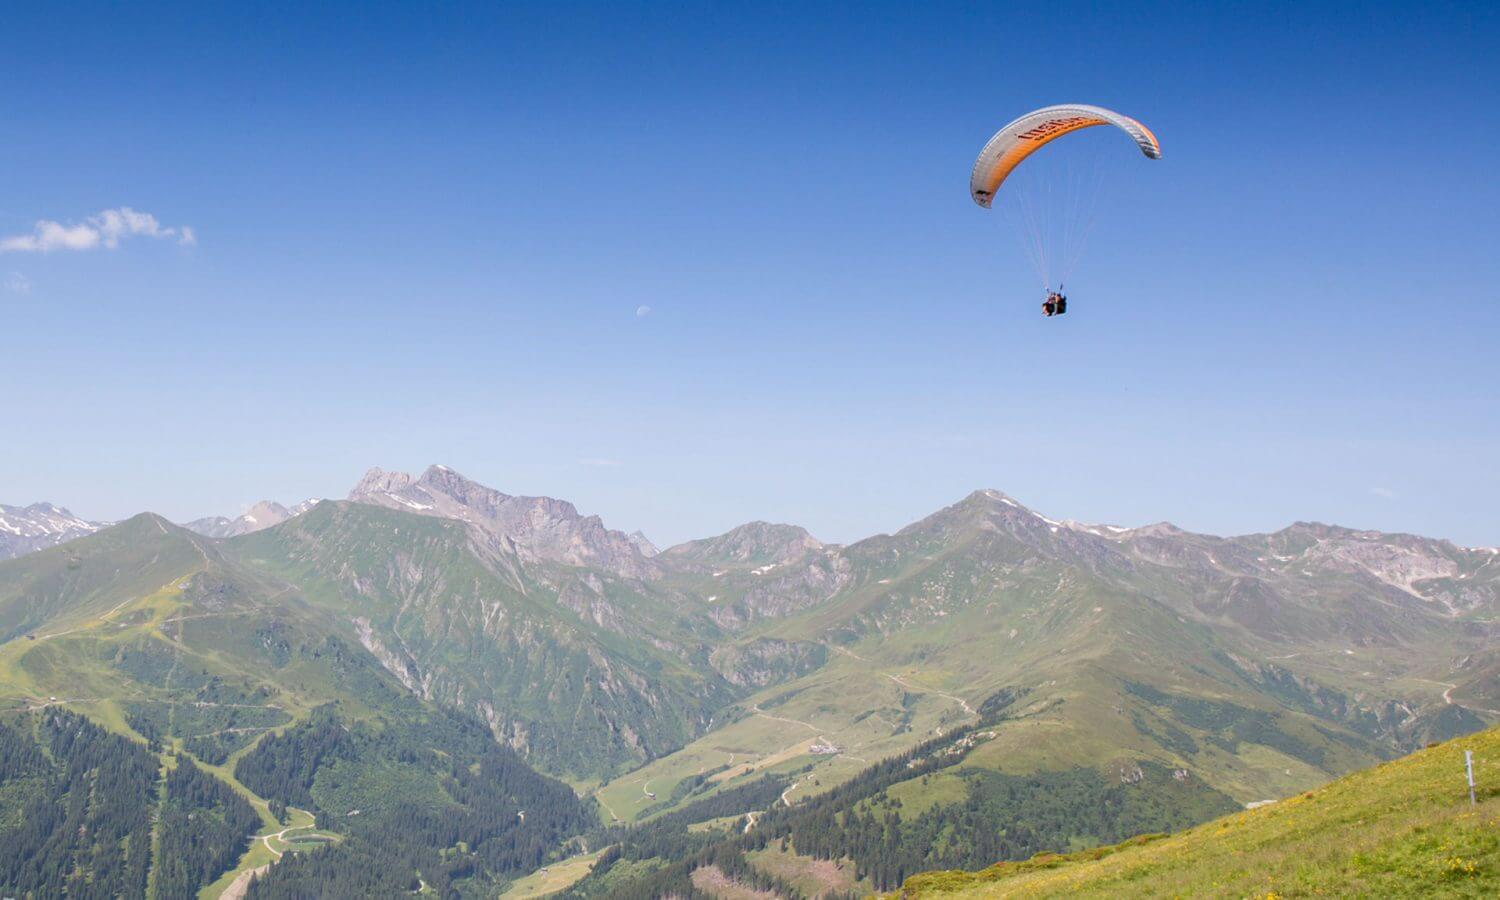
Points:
[(1031, 132)]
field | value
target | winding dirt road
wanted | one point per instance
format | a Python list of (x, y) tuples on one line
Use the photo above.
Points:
[(906, 684), (927, 690), (766, 715)]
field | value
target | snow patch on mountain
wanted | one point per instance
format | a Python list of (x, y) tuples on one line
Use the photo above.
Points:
[(24, 529)]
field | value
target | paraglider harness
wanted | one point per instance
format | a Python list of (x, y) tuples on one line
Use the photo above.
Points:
[(1056, 304)]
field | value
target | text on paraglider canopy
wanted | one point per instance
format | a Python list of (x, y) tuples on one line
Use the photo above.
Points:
[(1055, 125)]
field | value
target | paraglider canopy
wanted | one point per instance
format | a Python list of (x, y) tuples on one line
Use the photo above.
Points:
[(1028, 134), (1052, 201)]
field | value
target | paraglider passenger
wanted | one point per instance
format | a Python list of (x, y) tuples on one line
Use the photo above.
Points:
[(1049, 306), (1061, 305)]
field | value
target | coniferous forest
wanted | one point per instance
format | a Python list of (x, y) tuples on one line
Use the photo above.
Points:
[(205, 826), (78, 820), (1002, 817), (437, 801)]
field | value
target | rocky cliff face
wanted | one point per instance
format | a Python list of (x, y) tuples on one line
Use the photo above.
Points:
[(767, 661), (537, 528), (40, 525)]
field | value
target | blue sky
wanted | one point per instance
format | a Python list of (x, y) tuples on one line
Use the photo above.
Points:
[(423, 235)]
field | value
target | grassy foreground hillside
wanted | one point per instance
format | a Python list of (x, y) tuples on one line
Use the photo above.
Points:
[(1402, 829)]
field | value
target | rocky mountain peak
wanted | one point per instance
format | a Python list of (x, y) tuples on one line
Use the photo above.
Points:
[(378, 480), (1159, 529), (996, 508), (991, 499), (992, 503), (1005, 510), (268, 512), (1317, 529), (451, 483), (541, 528), (643, 544)]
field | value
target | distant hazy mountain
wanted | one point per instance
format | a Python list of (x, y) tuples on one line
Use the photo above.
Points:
[(262, 515), (40, 525), (755, 544), (27, 528)]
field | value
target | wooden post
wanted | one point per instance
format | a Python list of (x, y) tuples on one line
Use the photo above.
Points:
[(1469, 768)]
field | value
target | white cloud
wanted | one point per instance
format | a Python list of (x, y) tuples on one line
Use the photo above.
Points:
[(106, 229), (17, 283), (602, 463), (642, 312), (1385, 492)]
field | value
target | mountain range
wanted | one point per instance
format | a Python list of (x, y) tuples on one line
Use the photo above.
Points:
[(262, 515), (996, 652), (38, 526), (42, 525)]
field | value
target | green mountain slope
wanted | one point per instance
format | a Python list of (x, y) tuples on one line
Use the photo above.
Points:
[(1164, 674), (1402, 829), (200, 668), (1117, 658), (874, 831), (91, 575), (1113, 648), (584, 672)]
